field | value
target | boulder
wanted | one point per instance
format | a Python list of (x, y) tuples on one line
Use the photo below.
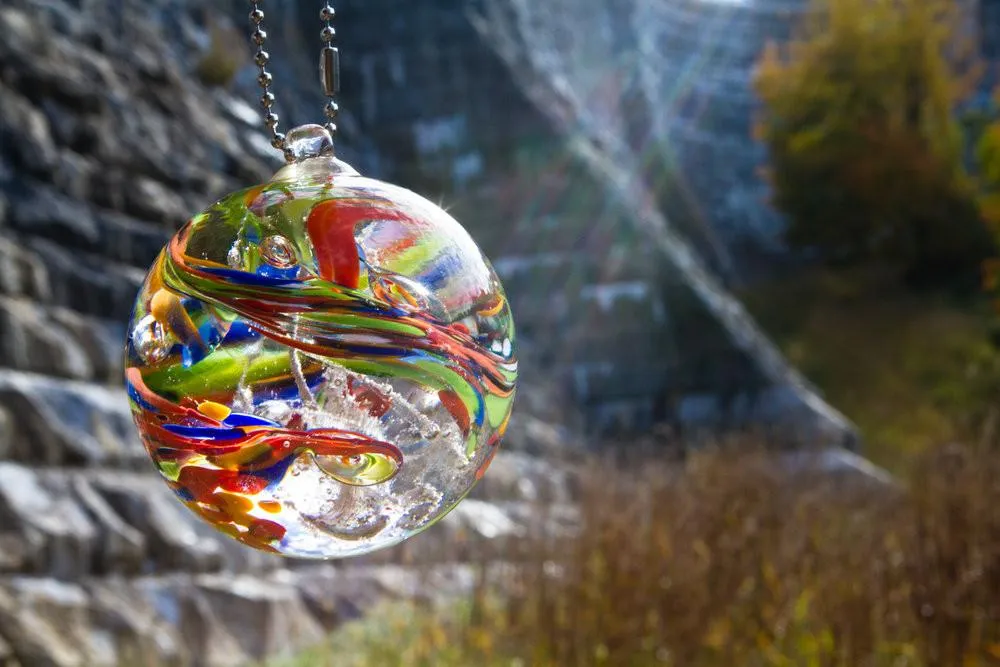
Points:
[(22, 273), (59, 341), (265, 617), (175, 538), (25, 133), (62, 422), (41, 210), (43, 526), (140, 635), (87, 283), (46, 623), (35, 341), (120, 548)]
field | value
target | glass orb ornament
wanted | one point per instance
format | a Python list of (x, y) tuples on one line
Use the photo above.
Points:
[(322, 365)]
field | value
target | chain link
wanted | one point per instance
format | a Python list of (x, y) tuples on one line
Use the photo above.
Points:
[(329, 72)]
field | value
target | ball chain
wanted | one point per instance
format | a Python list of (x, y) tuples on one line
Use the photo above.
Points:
[(264, 79), (329, 69)]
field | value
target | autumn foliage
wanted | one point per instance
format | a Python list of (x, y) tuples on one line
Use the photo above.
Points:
[(866, 154)]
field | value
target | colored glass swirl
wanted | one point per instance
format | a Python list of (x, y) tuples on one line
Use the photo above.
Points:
[(322, 365)]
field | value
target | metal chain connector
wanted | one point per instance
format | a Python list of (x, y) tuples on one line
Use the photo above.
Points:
[(329, 68)]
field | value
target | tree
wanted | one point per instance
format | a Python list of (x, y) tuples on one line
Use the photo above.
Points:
[(866, 154)]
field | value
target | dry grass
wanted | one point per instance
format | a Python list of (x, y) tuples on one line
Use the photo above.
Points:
[(736, 563), (732, 562)]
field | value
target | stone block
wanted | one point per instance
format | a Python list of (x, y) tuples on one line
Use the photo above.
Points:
[(62, 422), (265, 617), (55, 535), (175, 538)]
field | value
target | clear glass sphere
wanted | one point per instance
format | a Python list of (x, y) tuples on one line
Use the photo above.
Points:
[(322, 365)]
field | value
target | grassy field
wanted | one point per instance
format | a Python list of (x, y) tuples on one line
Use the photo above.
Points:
[(728, 561)]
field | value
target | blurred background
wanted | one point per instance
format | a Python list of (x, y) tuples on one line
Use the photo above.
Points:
[(751, 247)]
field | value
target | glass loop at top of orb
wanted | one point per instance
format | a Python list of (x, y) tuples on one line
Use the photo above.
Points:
[(329, 75), (322, 365), (307, 142)]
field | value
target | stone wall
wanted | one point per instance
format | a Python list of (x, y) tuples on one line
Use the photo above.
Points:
[(107, 144)]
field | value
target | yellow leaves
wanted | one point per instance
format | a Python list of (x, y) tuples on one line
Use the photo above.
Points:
[(482, 640), (800, 611), (436, 636), (871, 52), (808, 139), (718, 633), (770, 58), (772, 580), (747, 588), (770, 70)]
